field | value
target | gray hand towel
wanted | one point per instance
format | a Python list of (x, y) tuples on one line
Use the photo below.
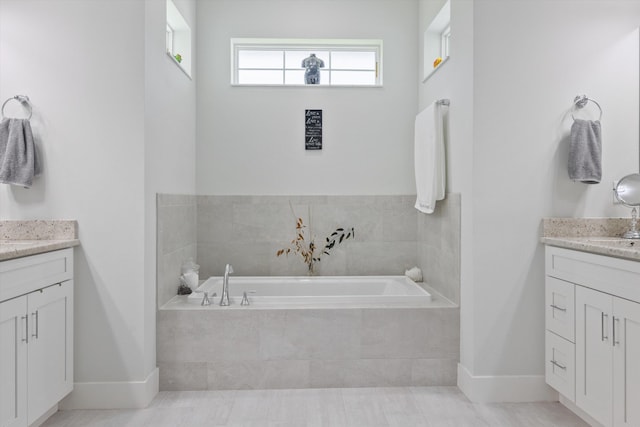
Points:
[(585, 151), (18, 158)]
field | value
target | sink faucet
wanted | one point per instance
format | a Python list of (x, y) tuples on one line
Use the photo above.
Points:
[(224, 301)]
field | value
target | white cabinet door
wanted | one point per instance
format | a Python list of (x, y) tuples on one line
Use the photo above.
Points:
[(13, 362), (50, 373), (626, 363), (594, 356)]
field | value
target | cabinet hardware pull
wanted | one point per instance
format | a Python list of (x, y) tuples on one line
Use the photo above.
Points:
[(602, 328), (615, 320), (555, 307), (26, 329), (37, 324), (553, 362)]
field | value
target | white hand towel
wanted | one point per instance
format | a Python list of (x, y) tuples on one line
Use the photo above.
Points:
[(429, 156), (18, 157)]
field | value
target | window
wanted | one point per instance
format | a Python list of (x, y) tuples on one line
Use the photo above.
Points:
[(444, 42), (281, 62), (169, 40), (436, 46), (178, 38)]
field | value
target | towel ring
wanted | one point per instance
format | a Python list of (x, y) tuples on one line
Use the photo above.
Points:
[(580, 101), (22, 99)]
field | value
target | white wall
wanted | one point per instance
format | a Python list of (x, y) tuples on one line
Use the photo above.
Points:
[(86, 81), (116, 122), (170, 140), (251, 140), (529, 59), (455, 81)]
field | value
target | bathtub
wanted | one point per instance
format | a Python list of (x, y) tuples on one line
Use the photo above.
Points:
[(316, 290), (309, 332)]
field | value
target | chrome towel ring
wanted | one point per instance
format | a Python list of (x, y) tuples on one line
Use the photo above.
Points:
[(580, 101), (22, 99)]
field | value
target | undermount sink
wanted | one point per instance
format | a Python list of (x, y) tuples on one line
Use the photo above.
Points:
[(614, 242)]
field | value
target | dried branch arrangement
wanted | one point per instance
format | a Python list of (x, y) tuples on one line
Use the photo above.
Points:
[(307, 251)]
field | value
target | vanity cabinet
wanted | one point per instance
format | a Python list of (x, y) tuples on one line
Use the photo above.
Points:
[(36, 336), (600, 296)]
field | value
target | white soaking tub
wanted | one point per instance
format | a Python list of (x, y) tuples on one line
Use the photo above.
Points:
[(309, 290)]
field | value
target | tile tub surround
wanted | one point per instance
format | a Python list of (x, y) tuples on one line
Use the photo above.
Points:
[(390, 236), (199, 349), (246, 231), (176, 241), (439, 247), (221, 348)]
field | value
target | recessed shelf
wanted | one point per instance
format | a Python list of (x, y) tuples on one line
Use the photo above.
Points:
[(433, 70)]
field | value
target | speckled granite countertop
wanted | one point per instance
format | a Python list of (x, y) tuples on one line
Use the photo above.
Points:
[(596, 235), (23, 238)]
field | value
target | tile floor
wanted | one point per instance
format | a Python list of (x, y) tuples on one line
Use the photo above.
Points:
[(355, 407)]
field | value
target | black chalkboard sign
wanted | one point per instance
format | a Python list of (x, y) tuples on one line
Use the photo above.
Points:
[(313, 129)]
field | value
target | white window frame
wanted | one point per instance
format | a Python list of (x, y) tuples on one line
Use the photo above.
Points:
[(169, 39), (358, 45), (444, 42)]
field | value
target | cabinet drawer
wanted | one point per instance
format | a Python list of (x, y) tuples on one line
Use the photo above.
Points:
[(23, 275), (559, 369), (560, 307), (607, 274)]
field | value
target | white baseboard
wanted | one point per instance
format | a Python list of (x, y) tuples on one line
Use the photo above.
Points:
[(113, 395), (505, 388)]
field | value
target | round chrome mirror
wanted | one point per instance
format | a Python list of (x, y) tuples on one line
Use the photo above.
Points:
[(628, 190), (628, 193)]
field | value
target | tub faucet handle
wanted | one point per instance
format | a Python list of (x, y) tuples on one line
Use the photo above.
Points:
[(245, 299), (205, 298)]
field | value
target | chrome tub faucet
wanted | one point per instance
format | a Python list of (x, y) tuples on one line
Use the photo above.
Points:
[(224, 300)]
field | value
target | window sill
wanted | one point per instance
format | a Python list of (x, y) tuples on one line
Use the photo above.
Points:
[(175, 61), (432, 72), (309, 86)]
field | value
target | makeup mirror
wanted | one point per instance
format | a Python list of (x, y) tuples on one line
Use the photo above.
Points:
[(627, 191)]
